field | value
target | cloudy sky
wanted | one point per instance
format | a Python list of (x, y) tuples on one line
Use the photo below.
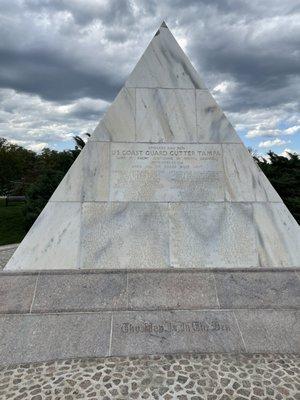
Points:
[(63, 61)]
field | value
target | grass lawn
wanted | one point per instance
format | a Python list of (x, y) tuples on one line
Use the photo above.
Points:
[(11, 223)]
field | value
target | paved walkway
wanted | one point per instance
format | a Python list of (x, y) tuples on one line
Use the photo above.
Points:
[(195, 377), (6, 252)]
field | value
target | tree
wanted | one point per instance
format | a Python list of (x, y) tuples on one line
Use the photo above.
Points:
[(16, 168), (284, 174), (52, 167), (80, 143)]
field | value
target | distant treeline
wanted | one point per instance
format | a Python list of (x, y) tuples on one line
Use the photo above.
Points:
[(24, 172), (35, 175)]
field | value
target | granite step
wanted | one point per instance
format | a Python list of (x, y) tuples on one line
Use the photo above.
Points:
[(52, 316), (94, 290)]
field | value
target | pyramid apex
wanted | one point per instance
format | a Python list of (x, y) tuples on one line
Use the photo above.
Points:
[(164, 25)]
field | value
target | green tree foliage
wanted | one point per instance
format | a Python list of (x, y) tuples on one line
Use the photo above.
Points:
[(52, 166), (24, 172), (284, 174), (16, 168)]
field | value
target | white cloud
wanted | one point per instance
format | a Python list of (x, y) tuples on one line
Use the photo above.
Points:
[(292, 130), (286, 151), (35, 123), (270, 129), (271, 143), (257, 132), (223, 87)]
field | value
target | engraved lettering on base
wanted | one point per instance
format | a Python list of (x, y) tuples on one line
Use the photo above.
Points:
[(166, 172), (174, 327)]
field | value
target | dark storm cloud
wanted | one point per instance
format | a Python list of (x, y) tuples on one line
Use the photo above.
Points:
[(51, 77), (66, 50), (112, 12), (265, 73)]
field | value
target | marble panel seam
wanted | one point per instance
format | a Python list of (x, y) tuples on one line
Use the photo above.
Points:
[(255, 237), (224, 176), (167, 88), (34, 292), (80, 239), (239, 329), (152, 310), (170, 143), (216, 290), (151, 270), (196, 113), (109, 174), (127, 290), (57, 311), (111, 333), (135, 134), (169, 235), (171, 202)]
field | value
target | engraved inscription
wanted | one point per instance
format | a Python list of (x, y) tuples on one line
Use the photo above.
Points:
[(174, 327), (166, 172)]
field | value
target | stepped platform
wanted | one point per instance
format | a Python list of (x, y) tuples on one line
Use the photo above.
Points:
[(77, 314)]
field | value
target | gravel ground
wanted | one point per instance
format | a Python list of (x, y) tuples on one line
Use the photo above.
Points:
[(182, 377), (5, 253)]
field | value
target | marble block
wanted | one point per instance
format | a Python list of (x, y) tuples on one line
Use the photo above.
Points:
[(164, 65), (165, 115), (212, 124), (261, 289), (84, 292), (212, 235), (16, 293), (171, 290), (33, 338), (244, 179), (166, 172), (124, 235), (273, 331), (53, 240), (278, 235), (88, 177), (118, 123)]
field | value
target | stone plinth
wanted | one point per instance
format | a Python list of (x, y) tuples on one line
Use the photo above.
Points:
[(46, 316)]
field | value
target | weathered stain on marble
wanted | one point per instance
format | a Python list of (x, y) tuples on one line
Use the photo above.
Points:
[(118, 123), (165, 115), (124, 235), (164, 65), (219, 235), (278, 235), (53, 240), (244, 179), (212, 124)]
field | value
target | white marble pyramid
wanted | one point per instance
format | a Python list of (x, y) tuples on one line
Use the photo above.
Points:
[(163, 182)]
